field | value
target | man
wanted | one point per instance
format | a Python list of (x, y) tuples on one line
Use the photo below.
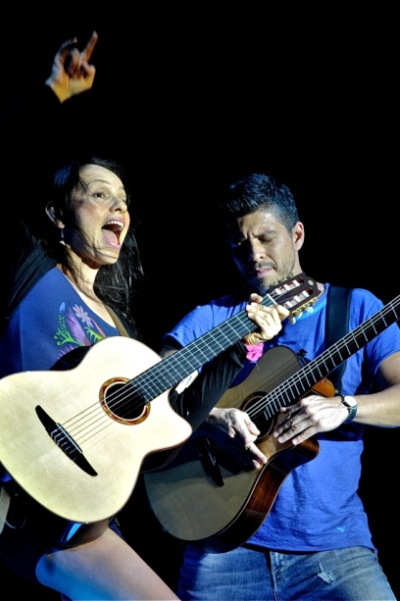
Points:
[(315, 542)]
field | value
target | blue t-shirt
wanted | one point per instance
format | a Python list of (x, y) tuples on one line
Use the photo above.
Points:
[(318, 507), (49, 322)]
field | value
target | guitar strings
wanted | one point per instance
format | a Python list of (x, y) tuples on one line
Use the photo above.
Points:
[(307, 376), (91, 421), (270, 403)]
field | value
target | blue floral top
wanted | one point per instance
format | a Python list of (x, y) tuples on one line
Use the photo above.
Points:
[(50, 321)]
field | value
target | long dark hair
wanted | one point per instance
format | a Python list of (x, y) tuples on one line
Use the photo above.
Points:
[(114, 284)]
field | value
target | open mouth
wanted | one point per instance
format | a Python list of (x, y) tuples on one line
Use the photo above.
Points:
[(113, 229)]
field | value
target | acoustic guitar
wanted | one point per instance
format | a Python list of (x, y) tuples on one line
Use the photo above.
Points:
[(209, 493), (76, 439)]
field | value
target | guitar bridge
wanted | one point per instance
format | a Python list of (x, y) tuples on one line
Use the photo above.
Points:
[(64, 441)]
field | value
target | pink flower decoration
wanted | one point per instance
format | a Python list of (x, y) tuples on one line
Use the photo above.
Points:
[(254, 352)]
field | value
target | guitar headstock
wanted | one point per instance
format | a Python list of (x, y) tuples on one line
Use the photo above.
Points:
[(297, 294)]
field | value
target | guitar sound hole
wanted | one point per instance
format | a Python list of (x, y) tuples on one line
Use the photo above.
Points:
[(123, 402), (262, 419), (264, 424)]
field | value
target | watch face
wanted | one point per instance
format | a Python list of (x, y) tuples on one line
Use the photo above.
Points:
[(350, 401), (351, 404)]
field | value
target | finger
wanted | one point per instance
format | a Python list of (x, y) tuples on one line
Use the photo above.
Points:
[(283, 312), (252, 428), (231, 432), (268, 322), (88, 50), (276, 312), (87, 70), (71, 63), (255, 298), (258, 457), (67, 46)]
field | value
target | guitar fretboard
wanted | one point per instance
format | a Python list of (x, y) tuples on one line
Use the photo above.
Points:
[(295, 293), (306, 377)]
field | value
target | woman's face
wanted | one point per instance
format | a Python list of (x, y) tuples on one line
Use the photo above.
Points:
[(100, 216)]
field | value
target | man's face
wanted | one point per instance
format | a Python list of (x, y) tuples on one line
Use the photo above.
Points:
[(263, 250)]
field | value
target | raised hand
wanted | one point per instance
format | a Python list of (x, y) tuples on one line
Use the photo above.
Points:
[(71, 72)]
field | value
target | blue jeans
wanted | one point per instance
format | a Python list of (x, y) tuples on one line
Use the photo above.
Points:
[(351, 574)]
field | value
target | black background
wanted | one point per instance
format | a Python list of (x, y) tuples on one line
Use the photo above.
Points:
[(190, 99)]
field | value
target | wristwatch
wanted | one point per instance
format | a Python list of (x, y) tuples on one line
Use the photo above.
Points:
[(351, 405)]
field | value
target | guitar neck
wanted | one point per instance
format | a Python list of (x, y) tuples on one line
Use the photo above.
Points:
[(299, 291), (304, 379), (177, 366)]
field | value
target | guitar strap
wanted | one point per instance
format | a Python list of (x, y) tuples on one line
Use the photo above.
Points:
[(337, 325)]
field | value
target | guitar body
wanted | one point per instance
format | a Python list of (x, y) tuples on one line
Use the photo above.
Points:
[(209, 495), (74, 438), (109, 443)]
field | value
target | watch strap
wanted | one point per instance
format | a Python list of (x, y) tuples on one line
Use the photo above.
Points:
[(351, 407)]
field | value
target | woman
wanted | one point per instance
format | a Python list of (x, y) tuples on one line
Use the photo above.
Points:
[(68, 284), (94, 258)]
